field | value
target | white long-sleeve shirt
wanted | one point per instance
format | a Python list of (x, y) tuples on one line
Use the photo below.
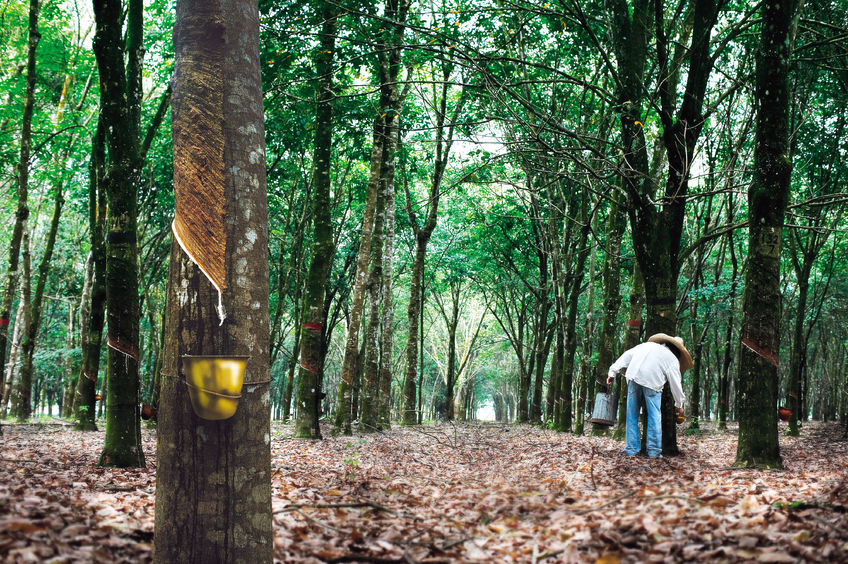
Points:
[(651, 364)]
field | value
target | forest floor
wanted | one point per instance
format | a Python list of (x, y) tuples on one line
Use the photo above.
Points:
[(444, 493)]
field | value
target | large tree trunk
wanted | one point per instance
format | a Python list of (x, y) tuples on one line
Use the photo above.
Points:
[(213, 489), (22, 172), (323, 249), (757, 380), (122, 444)]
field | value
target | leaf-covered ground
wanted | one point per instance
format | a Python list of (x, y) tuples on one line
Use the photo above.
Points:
[(442, 493)]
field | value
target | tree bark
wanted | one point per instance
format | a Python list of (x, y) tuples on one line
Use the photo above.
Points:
[(22, 393), (444, 130), (22, 173), (387, 322), (30, 336), (369, 383), (323, 249), (122, 444), (343, 416), (213, 488), (768, 193), (85, 402)]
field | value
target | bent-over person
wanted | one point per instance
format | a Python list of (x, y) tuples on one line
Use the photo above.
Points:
[(649, 365)]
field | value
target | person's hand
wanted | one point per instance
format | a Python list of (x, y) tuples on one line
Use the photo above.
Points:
[(610, 378), (680, 412)]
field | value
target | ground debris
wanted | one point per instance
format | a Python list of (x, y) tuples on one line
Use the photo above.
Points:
[(453, 493)]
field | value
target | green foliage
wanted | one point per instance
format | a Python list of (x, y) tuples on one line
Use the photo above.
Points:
[(539, 127)]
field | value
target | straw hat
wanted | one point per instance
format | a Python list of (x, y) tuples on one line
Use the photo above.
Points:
[(685, 358)]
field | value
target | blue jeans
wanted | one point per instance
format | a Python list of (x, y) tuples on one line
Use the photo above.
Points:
[(635, 393)]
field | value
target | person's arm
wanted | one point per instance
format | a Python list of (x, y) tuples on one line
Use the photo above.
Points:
[(622, 362), (674, 382)]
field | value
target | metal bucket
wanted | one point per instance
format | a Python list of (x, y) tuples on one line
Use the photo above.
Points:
[(605, 409)]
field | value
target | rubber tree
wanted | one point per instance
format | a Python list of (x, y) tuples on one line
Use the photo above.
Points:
[(92, 323), (444, 128), (768, 193), (22, 181), (323, 248), (120, 104), (657, 228), (213, 480)]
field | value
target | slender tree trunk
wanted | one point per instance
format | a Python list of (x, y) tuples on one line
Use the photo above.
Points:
[(370, 385), (578, 270), (85, 402), (609, 344), (343, 416), (22, 398), (31, 334), (213, 488), (11, 372), (312, 329), (541, 341), (444, 130), (451, 322), (22, 173), (799, 345), (757, 379), (387, 330)]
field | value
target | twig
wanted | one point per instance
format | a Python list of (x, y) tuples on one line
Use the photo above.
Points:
[(672, 496), (117, 488), (371, 504), (610, 502), (592, 468), (452, 544), (550, 554)]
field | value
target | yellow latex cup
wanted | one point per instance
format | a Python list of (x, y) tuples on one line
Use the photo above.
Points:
[(214, 384)]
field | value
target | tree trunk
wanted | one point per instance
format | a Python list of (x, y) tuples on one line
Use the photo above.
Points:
[(757, 380), (343, 416), (410, 410), (85, 402), (122, 444), (11, 371), (22, 393), (387, 330), (799, 345), (22, 173), (323, 249), (444, 130), (451, 322), (213, 489), (580, 252), (369, 383), (30, 336)]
